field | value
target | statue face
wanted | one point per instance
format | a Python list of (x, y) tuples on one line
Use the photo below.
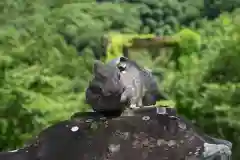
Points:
[(105, 90), (106, 79)]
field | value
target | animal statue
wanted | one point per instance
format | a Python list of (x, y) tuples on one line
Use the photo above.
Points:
[(119, 85), (105, 90)]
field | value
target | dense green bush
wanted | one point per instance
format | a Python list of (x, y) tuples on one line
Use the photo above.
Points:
[(206, 87), (47, 49)]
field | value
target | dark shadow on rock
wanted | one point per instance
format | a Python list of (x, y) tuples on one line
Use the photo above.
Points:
[(144, 136)]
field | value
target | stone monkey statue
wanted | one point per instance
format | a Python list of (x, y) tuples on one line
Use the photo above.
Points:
[(121, 84)]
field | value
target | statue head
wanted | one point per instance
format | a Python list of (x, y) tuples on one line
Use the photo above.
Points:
[(105, 89)]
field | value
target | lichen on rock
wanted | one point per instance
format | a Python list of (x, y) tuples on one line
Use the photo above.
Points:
[(122, 138)]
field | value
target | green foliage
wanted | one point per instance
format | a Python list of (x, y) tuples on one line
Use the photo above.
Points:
[(189, 41), (48, 47), (116, 42), (42, 78), (206, 87)]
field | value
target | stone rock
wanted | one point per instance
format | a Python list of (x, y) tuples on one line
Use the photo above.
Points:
[(148, 135)]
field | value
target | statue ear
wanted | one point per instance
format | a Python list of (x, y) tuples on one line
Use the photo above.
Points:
[(123, 59), (97, 66)]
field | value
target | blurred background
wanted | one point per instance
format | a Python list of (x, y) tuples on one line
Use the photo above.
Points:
[(47, 48)]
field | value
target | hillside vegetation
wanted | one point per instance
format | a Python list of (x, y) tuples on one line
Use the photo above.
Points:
[(47, 48)]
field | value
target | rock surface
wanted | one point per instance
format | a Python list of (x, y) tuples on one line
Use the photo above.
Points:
[(147, 135)]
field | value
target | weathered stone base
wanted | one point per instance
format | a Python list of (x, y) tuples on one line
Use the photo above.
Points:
[(147, 135)]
